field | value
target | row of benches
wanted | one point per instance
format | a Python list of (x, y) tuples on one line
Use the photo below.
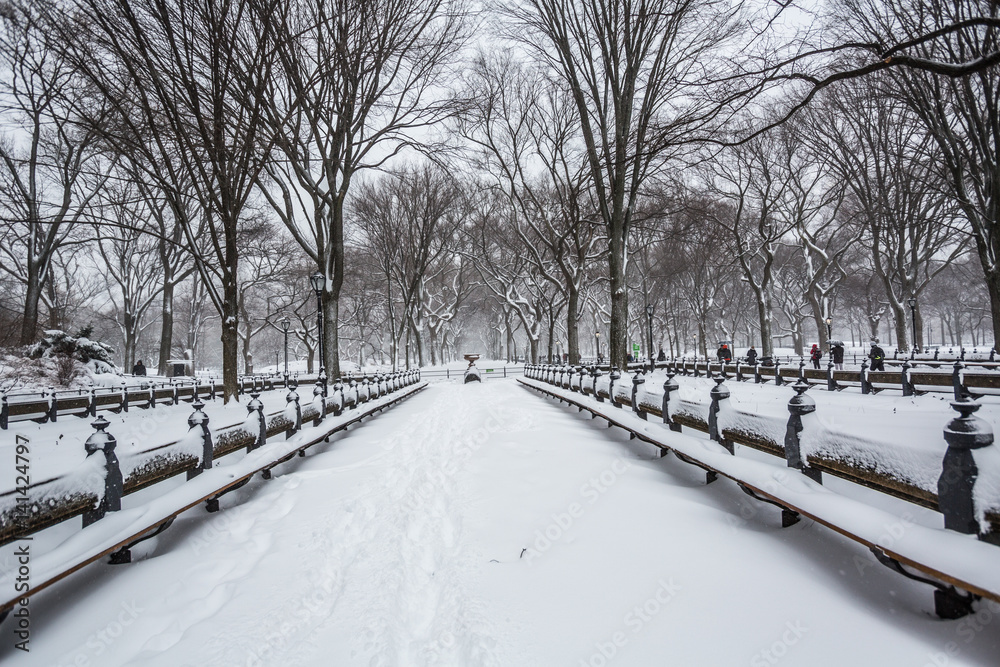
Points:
[(588, 380), (908, 379), (48, 406), (52, 501), (955, 570), (122, 530)]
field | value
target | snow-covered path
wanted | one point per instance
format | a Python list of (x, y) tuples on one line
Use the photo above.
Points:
[(482, 525)]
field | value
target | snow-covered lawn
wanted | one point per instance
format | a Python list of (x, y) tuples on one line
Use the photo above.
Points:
[(482, 525)]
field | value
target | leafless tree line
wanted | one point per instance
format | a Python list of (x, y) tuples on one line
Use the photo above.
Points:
[(533, 195)]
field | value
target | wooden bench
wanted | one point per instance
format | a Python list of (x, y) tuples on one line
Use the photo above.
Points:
[(124, 529), (950, 558)]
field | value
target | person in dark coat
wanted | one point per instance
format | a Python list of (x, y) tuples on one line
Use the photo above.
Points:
[(724, 354), (138, 369), (815, 354), (877, 355), (662, 356), (752, 356), (837, 352)]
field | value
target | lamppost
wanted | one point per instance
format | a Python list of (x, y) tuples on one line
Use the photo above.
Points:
[(649, 325), (597, 340), (912, 301), (285, 323), (318, 281), (829, 329), (694, 344)]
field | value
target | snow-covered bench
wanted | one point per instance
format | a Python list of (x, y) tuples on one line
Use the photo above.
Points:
[(108, 530), (947, 556)]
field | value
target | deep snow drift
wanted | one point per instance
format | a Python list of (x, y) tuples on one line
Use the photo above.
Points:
[(482, 525)]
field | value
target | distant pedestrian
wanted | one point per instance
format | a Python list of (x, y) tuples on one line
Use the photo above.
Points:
[(752, 356), (877, 355), (837, 353), (138, 369), (662, 356), (724, 354), (815, 354)]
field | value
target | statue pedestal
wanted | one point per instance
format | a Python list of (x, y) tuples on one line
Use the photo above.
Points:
[(472, 373)]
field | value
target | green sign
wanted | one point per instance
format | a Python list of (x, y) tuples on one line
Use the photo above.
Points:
[(635, 348)]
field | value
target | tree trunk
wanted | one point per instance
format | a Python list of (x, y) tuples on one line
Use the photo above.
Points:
[(819, 320), (29, 321), (331, 316), (993, 287), (572, 327), (511, 345), (166, 325), (764, 316), (618, 334), (130, 341), (335, 282), (901, 334), (230, 345), (552, 336), (419, 340), (56, 319)]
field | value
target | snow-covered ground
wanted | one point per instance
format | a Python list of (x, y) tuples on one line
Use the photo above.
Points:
[(482, 525)]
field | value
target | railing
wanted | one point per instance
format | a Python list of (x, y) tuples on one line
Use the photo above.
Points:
[(910, 378), (954, 496), (48, 405), (646, 398), (33, 507), (122, 531), (496, 373)]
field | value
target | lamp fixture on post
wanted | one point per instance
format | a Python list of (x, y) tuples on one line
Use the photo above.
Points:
[(285, 324), (597, 344), (912, 301), (829, 329), (318, 281)]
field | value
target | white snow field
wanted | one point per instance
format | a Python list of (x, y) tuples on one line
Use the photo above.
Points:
[(483, 525)]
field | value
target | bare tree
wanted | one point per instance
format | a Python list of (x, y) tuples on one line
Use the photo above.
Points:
[(753, 183), (409, 220), (169, 214), (358, 82), (188, 84), (266, 256), (48, 164), (527, 129), (128, 262), (632, 68), (890, 165)]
